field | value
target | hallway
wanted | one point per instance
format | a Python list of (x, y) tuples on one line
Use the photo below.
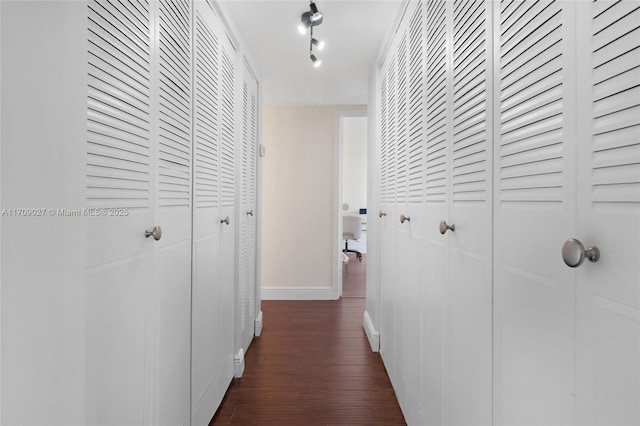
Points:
[(312, 365)]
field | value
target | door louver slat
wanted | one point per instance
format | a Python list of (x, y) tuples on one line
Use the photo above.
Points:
[(119, 99)]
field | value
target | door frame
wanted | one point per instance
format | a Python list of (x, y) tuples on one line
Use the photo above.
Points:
[(337, 194)]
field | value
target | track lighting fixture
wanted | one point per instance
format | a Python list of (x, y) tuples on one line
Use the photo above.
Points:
[(310, 19), (317, 43), (316, 62), (315, 15)]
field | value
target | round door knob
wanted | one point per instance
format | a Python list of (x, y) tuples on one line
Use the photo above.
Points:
[(249, 213), (225, 220), (574, 253), (155, 232), (404, 218), (444, 227), (381, 213)]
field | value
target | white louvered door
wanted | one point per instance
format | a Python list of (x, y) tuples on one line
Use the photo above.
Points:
[(139, 173), (410, 251), (213, 291), (534, 318), (120, 175), (608, 214), (434, 184), (173, 213), (388, 322), (248, 209), (468, 351)]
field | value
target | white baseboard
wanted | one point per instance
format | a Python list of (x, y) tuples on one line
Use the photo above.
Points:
[(258, 325), (299, 293), (372, 334), (238, 363)]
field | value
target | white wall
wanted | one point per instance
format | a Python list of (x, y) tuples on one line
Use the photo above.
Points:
[(299, 201), (354, 163)]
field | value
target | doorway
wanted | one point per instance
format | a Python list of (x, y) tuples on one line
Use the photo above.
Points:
[(352, 191)]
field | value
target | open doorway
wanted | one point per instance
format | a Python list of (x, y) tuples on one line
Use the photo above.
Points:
[(353, 202)]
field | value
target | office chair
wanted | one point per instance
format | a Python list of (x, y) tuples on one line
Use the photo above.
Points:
[(351, 230)]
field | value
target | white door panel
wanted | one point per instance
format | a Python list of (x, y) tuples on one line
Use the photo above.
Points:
[(534, 316), (469, 281), (608, 215), (117, 346), (120, 175), (214, 198)]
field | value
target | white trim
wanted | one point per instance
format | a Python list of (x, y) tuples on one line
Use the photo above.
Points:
[(299, 293), (258, 325), (238, 364), (372, 334)]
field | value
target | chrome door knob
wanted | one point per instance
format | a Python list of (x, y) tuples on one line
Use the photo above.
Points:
[(381, 213), (574, 253), (225, 220), (404, 218), (155, 232), (249, 213), (444, 227)]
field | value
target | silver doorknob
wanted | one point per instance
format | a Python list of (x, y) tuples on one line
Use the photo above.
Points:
[(444, 227), (574, 253), (249, 213), (225, 220), (155, 232), (381, 213), (403, 218)]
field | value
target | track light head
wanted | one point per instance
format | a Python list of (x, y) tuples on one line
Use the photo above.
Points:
[(316, 62), (316, 16), (319, 44)]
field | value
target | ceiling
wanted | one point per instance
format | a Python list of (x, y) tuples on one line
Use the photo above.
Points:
[(353, 30)]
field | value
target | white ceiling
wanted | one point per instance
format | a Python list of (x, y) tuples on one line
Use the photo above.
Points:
[(353, 30)]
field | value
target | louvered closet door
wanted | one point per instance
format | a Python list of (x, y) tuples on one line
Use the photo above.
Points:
[(468, 351), (120, 176), (534, 312), (173, 212), (213, 298), (248, 209), (435, 183), (410, 195), (402, 271), (608, 214), (388, 326)]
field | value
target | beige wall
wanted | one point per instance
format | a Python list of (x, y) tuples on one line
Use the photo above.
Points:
[(299, 201)]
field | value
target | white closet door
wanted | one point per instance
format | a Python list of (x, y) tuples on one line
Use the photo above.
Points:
[(534, 312), (248, 208), (388, 292), (212, 298), (435, 184), (403, 271), (468, 346), (411, 233), (608, 215), (173, 213), (120, 175)]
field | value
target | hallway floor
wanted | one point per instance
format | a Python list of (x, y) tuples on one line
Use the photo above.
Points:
[(312, 365)]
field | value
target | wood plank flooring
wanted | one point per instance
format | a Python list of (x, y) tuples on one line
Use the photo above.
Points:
[(354, 277), (312, 366)]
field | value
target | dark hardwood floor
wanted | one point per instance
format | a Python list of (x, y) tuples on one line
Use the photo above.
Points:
[(354, 277), (312, 365)]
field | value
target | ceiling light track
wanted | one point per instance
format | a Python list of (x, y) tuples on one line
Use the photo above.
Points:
[(310, 19)]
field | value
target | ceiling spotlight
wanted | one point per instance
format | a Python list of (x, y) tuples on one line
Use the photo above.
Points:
[(317, 43), (315, 15), (316, 62)]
